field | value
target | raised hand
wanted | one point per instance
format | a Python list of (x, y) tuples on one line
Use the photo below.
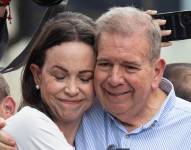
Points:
[(163, 32)]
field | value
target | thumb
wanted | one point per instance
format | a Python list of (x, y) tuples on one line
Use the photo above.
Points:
[(2, 123)]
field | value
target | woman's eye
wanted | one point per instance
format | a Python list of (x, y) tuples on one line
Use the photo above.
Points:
[(60, 77), (86, 79)]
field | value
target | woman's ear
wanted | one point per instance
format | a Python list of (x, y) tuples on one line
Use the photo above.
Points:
[(36, 71)]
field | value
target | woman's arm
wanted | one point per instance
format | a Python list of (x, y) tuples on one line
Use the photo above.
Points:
[(32, 130)]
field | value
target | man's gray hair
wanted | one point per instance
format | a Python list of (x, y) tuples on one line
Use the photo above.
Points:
[(127, 21)]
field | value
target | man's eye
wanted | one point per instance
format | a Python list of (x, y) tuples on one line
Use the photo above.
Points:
[(131, 68), (104, 64)]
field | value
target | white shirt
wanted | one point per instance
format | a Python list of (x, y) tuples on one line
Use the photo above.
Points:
[(33, 130)]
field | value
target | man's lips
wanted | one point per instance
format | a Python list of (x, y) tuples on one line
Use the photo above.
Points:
[(117, 93)]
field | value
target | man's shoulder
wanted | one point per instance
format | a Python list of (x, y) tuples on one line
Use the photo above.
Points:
[(96, 111), (96, 116), (180, 112), (182, 105)]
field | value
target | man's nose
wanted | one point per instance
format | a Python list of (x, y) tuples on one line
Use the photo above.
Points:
[(72, 88), (116, 76)]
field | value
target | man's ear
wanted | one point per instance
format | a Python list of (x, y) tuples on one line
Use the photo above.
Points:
[(159, 67), (8, 106), (36, 73)]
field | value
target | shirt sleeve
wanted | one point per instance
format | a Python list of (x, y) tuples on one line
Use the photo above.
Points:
[(33, 130)]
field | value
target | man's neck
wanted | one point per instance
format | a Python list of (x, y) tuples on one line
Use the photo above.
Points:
[(133, 121)]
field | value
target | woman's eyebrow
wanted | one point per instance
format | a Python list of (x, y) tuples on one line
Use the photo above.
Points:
[(86, 71), (59, 67)]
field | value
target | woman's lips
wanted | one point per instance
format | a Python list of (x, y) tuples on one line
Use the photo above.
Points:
[(73, 101)]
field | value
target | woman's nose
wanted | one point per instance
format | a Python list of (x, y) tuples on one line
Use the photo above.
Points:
[(72, 88)]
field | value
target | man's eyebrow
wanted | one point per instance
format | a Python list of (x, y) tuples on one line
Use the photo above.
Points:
[(102, 59), (130, 62)]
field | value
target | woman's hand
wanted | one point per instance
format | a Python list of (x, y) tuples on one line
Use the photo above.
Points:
[(163, 32), (6, 142)]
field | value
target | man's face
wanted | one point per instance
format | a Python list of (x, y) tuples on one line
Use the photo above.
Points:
[(124, 76)]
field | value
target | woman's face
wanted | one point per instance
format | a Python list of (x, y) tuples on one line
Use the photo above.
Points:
[(66, 80)]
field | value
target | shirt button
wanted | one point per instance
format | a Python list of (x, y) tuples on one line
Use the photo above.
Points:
[(153, 124), (127, 136)]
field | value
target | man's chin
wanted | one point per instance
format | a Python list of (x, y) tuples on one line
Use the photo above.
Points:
[(117, 109)]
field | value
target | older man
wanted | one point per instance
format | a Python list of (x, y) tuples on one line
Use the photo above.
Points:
[(140, 109)]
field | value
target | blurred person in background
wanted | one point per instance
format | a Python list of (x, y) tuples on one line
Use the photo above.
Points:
[(180, 76), (7, 103), (3, 29)]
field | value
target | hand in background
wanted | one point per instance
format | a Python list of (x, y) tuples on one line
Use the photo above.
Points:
[(163, 32)]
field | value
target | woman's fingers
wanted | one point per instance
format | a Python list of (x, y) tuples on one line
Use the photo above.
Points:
[(6, 142), (151, 12), (165, 32), (2, 123), (166, 44), (6, 139), (7, 147)]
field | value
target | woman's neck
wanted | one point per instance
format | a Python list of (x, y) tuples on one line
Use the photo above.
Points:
[(69, 130)]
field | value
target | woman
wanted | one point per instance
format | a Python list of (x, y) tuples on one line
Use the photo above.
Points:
[(57, 84)]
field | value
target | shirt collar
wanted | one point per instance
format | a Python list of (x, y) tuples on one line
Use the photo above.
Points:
[(167, 105)]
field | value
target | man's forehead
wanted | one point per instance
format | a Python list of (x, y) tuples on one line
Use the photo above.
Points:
[(122, 37), (122, 43)]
